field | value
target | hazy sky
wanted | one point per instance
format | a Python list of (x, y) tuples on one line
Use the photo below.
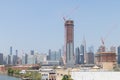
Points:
[(38, 24)]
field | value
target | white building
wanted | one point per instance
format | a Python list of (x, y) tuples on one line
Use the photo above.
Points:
[(95, 75), (31, 59), (41, 58)]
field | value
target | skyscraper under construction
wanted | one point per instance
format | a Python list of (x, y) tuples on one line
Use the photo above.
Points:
[(69, 43)]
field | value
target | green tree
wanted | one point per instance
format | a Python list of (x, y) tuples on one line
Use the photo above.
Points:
[(67, 77), (10, 71), (32, 75), (36, 76), (28, 74), (16, 72)]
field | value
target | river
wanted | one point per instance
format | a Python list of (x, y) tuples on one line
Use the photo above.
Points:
[(5, 77)]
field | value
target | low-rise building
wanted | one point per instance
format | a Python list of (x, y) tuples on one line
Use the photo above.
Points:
[(2, 68), (95, 75), (107, 60), (48, 74)]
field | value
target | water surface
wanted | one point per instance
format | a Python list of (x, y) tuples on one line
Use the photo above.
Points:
[(6, 77)]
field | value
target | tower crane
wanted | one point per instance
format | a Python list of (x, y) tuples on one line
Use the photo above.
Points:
[(108, 33), (70, 12)]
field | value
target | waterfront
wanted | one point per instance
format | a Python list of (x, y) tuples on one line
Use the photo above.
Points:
[(6, 77)]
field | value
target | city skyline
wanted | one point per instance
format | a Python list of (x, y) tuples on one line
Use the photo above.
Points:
[(38, 25)]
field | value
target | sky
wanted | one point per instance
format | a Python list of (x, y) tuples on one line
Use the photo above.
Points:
[(38, 24)]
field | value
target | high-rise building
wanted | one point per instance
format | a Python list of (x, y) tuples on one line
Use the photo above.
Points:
[(16, 51), (80, 57), (118, 58), (4, 60), (26, 58), (11, 50), (31, 59), (9, 60), (1, 59), (32, 52), (14, 60), (23, 59), (69, 43), (54, 55), (58, 55), (41, 58), (90, 58), (11, 56), (82, 52), (77, 51), (49, 55)]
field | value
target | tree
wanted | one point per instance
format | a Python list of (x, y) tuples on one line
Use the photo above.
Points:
[(10, 71), (16, 72), (67, 77), (36, 76)]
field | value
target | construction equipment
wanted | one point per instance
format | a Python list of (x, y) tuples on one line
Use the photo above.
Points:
[(109, 32), (70, 12)]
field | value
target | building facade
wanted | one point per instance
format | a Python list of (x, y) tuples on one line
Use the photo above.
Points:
[(32, 52), (31, 59), (107, 60), (118, 57), (1, 59), (9, 60), (23, 59), (82, 52), (90, 58), (11, 50), (48, 74), (26, 58), (54, 55), (77, 51), (41, 58), (69, 43), (14, 59)]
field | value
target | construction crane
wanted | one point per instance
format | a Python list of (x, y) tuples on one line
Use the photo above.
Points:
[(70, 12), (109, 32), (102, 41)]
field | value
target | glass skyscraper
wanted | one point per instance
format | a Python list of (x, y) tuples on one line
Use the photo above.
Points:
[(77, 51), (82, 52), (1, 59), (118, 59)]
